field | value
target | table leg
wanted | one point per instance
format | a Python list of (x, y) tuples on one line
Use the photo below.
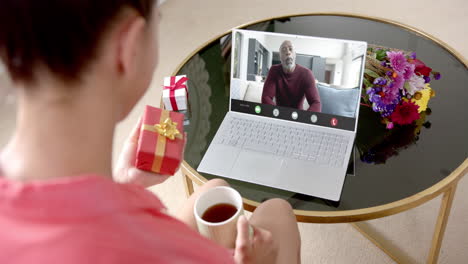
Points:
[(387, 246), (394, 252), (441, 224), (188, 184)]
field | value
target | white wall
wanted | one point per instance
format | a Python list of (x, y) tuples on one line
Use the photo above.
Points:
[(347, 61), (350, 73), (310, 46), (358, 49), (337, 74), (243, 57)]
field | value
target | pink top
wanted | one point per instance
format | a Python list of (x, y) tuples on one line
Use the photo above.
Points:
[(91, 219)]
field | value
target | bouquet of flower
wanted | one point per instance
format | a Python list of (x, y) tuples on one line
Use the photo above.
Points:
[(397, 85)]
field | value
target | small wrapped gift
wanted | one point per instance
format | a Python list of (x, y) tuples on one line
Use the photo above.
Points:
[(161, 143), (175, 93)]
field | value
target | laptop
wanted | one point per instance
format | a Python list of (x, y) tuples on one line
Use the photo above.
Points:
[(293, 113)]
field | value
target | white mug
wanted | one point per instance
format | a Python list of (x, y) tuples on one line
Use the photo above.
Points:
[(223, 233)]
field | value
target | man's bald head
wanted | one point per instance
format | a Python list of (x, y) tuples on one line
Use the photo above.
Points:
[(287, 56)]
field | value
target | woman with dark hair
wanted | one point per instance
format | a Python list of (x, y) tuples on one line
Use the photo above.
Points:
[(79, 67)]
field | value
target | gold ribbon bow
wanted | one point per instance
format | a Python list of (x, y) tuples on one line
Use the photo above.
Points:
[(167, 129)]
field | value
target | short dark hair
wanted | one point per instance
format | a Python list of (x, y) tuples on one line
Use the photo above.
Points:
[(62, 35)]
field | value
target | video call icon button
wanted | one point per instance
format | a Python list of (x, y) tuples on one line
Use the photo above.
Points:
[(258, 109), (334, 122), (313, 118), (294, 115), (276, 112)]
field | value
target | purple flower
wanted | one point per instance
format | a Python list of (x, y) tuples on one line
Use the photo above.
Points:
[(413, 55), (375, 107), (389, 73), (391, 94), (383, 63), (437, 75), (388, 110), (391, 88), (409, 71), (398, 82), (373, 96), (379, 106), (397, 60), (383, 102), (389, 125), (380, 81), (386, 114), (427, 79), (392, 107), (390, 97)]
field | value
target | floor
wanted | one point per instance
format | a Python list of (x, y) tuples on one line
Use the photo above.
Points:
[(187, 24)]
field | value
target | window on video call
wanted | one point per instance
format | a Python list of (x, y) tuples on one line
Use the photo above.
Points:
[(299, 72)]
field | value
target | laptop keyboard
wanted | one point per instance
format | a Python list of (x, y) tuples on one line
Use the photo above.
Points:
[(298, 143)]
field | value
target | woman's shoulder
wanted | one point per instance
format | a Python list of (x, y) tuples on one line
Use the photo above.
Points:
[(92, 212)]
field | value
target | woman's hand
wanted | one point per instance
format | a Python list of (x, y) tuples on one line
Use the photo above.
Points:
[(125, 170), (258, 249)]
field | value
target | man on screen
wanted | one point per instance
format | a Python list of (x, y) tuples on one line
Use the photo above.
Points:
[(289, 83)]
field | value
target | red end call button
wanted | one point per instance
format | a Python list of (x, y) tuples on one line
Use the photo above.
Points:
[(334, 122)]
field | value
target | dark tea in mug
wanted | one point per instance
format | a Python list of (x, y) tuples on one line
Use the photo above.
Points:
[(219, 213)]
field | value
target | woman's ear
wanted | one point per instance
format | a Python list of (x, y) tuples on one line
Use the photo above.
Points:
[(130, 35)]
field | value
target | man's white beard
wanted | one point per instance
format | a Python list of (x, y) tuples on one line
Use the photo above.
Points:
[(289, 67)]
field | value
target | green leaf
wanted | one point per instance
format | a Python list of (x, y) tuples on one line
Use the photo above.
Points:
[(381, 54), (406, 86), (371, 73), (367, 83)]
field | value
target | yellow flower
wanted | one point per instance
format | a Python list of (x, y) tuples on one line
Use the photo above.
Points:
[(422, 98)]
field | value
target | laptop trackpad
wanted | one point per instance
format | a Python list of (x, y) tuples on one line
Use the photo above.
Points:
[(257, 167), (219, 160)]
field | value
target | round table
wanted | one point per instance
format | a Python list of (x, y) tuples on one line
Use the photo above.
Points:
[(387, 174)]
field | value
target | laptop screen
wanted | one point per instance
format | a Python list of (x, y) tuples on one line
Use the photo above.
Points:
[(297, 78)]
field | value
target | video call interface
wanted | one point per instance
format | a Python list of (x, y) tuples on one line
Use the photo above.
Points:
[(298, 78)]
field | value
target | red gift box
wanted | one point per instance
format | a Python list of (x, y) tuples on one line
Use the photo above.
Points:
[(161, 143)]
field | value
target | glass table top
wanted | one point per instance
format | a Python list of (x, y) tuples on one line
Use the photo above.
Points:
[(385, 166)]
